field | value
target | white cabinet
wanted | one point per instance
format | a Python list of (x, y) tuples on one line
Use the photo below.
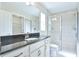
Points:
[(47, 47), (20, 52), (5, 23), (37, 49), (36, 45), (42, 51), (39, 52), (35, 54)]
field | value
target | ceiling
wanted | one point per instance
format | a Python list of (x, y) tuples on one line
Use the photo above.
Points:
[(52, 7), (20, 7), (56, 7)]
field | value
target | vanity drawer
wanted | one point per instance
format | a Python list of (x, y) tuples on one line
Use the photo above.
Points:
[(20, 52), (39, 52), (36, 45)]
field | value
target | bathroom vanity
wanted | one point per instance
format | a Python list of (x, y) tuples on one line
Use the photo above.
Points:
[(28, 47)]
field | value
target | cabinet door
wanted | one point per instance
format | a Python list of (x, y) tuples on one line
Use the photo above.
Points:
[(20, 52), (47, 47), (5, 23), (42, 51), (36, 45), (24, 52), (34, 54), (39, 52)]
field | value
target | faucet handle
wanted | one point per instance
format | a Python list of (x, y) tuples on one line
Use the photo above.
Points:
[(27, 36)]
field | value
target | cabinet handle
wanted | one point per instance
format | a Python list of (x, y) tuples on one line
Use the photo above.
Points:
[(39, 53), (19, 55), (0, 47)]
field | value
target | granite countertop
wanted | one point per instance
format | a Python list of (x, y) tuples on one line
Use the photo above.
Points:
[(43, 37), (39, 39)]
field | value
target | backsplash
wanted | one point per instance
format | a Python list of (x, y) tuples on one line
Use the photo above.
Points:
[(6, 40), (34, 35)]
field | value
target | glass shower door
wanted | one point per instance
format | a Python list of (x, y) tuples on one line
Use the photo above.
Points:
[(69, 32)]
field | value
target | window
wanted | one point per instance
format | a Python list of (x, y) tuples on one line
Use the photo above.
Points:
[(42, 22)]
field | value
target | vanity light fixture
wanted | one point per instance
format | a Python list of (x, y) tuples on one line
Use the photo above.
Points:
[(54, 19), (29, 3)]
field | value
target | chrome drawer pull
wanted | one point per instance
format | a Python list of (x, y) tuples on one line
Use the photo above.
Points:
[(39, 53), (18, 55)]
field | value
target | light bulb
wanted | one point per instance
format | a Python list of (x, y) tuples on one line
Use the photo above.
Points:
[(27, 3)]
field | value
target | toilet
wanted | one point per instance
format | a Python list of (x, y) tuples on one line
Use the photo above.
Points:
[(53, 50)]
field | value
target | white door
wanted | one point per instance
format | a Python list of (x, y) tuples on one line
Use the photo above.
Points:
[(69, 30)]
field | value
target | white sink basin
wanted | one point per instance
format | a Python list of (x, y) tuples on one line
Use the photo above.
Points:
[(30, 40)]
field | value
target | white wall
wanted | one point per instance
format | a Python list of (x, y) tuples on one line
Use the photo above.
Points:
[(12, 8), (5, 23), (35, 24), (0, 5), (47, 13)]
